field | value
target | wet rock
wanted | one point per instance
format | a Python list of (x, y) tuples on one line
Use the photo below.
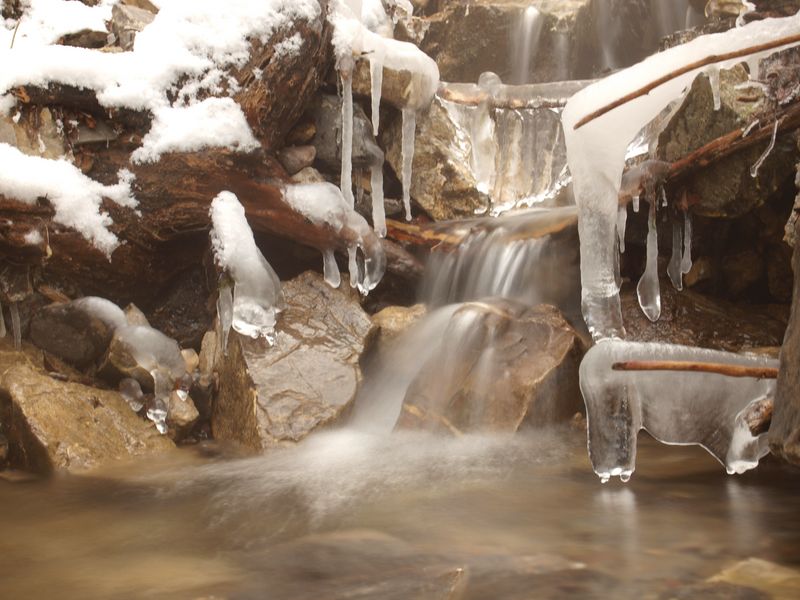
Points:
[(327, 114), (443, 181), (96, 132), (127, 21), (387, 325), (179, 314), (191, 358), (772, 580), (52, 425), (33, 132), (71, 334), (86, 38), (784, 433), (742, 270), (307, 380), (715, 591), (182, 415), (692, 319), (726, 187), (511, 365), (308, 175), (297, 158)]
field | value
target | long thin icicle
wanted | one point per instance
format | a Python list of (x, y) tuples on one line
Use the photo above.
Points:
[(686, 263), (648, 290), (674, 270), (376, 76), (347, 136), (754, 169), (378, 209), (332, 276), (352, 265), (713, 79), (409, 134), (622, 221)]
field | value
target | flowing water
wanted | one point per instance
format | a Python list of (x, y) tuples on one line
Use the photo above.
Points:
[(353, 515)]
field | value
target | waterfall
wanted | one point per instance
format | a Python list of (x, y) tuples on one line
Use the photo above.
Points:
[(524, 43)]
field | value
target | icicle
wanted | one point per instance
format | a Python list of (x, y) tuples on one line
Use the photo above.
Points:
[(754, 66), (750, 128), (686, 262), (347, 136), (159, 407), (352, 264), (713, 79), (2, 323), (663, 197), (747, 7), (409, 133), (332, 276), (622, 221), (225, 314), (754, 169), (16, 328), (376, 76), (378, 210), (648, 290), (674, 270), (636, 203), (131, 391)]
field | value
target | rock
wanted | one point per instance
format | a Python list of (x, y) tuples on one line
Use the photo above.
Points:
[(327, 114), (742, 270), (772, 580), (128, 20), (692, 319), (443, 181), (301, 134), (191, 359), (297, 158), (387, 325), (784, 433), (85, 38), (182, 416), (100, 133), (34, 133), (208, 357), (134, 316), (308, 175), (143, 4), (177, 311), (51, 425), (509, 365), (726, 187), (306, 381), (71, 334), (135, 350), (714, 591)]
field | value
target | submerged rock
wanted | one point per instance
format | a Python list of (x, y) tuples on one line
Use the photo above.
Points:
[(507, 365), (306, 380), (51, 425)]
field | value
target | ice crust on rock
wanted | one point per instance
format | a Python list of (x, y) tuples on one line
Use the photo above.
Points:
[(105, 310), (75, 198), (597, 151), (257, 296), (674, 407), (324, 205), (364, 29)]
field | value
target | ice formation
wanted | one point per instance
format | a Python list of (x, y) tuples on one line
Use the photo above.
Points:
[(364, 29), (649, 290), (674, 407), (597, 150), (761, 159), (104, 310), (132, 393), (257, 297), (324, 205)]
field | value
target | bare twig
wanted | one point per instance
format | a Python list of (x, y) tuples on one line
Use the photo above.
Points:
[(708, 60), (697, 367)]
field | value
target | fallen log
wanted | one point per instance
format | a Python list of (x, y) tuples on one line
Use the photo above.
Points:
[(697, 367)]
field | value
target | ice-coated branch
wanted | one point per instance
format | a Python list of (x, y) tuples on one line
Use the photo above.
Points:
[(728, 370), (688, 68)]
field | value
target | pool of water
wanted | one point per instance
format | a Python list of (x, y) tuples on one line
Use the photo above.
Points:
[(353, 515)]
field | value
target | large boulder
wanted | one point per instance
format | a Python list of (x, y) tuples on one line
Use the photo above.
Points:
[(306, 380), (725, 188), (52, 425), (501, 365)]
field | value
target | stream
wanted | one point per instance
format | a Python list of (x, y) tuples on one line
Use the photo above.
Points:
[(408, 515)]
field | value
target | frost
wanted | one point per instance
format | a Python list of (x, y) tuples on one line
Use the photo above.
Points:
[(214, 122), (597, 151), (288, 47), (75, 198), (257, 296), (324, 205), (674, 407), (33, 238)]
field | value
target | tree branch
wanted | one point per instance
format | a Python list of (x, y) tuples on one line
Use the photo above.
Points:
[(697, 367)]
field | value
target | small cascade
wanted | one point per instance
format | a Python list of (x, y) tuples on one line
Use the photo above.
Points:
[(524, 44)]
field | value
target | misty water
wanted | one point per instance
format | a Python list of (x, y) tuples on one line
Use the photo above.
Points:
[(353, 515)]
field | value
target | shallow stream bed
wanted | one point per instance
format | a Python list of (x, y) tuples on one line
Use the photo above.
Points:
[(351, 515)]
